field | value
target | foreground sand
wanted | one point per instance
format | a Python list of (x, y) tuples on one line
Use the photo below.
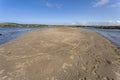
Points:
[(59, 54)]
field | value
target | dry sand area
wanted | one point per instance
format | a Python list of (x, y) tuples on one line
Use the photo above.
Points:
[(59, 54)]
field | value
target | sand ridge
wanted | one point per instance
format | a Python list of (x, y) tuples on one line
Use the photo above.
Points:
[(59, 54)]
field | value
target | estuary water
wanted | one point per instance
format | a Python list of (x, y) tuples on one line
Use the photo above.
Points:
[(112, 34), (9, 33)]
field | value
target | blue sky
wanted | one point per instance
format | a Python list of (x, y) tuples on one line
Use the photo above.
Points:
[(60, 11)]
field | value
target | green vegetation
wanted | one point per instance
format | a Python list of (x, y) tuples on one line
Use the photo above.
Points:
[(21, 25), (106, 27), (44, 25)]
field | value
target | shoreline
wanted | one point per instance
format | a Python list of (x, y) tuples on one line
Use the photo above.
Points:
[(60, 54), (100, 33), (113, 43), (8, 34), (115, 46)]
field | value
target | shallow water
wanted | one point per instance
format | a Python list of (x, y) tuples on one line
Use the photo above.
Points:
[(9, 33), (112, 34)]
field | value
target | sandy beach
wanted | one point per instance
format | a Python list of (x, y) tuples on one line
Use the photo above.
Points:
[(59, 54)]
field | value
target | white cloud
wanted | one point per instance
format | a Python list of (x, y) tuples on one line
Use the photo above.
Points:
[(84, 23), (58, 5), (106, 23), (116, 4), (74, 23), (80, 23), (117, 22), (49, 4), (54, 5), (100, 3)]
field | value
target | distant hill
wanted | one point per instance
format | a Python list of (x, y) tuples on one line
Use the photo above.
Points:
[(8, 24)]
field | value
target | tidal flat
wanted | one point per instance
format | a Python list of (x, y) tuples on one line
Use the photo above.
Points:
[(59, 54)]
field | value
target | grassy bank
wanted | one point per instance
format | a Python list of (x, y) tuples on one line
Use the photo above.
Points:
[(21, 25)]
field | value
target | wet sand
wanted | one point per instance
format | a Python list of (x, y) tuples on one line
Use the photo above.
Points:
[(59, 54)]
